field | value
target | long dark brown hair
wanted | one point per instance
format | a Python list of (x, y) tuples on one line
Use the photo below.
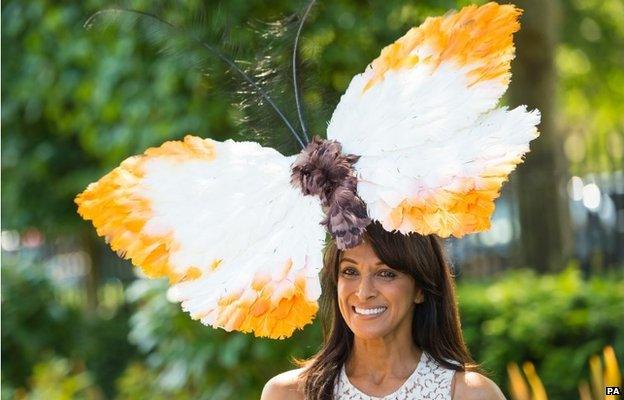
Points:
[(435, 329)]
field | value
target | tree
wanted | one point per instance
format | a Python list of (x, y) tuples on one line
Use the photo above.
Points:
[(540, 183)]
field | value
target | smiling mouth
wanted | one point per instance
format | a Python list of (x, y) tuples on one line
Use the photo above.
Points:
[(369, 311)]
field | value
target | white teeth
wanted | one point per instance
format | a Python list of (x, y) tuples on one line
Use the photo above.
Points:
[(369, 311)]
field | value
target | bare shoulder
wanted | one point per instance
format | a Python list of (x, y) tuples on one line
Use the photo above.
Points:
[(283, 386), (473, 386)]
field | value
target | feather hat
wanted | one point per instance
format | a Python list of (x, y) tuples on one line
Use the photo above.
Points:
[(417, 142)]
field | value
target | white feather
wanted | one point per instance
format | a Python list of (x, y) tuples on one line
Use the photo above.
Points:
[(239, 208), (420, 128)]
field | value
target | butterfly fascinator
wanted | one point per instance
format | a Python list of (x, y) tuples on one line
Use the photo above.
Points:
[(417, 142)]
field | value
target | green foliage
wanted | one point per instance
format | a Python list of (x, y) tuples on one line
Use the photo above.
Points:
[(137, 382), (58, 379), (38, 322), (75, 104), (555, 321), (590, 65), (184, 356), (33, 321)]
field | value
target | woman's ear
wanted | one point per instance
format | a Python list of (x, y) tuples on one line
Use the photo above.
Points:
[(420, 296)]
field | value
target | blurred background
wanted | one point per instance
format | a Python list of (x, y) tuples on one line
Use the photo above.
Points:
[(541, 294)]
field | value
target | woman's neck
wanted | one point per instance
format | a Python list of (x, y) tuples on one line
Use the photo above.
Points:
[(379, 359)]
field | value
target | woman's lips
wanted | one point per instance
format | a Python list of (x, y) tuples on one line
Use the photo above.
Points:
[(369, 312)]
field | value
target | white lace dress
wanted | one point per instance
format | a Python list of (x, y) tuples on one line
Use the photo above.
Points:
[(429, 381)]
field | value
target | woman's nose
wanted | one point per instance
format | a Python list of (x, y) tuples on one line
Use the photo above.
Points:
[(366, 288)]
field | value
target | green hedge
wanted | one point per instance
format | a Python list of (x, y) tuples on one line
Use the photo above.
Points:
[(555, 321), (44, 325)]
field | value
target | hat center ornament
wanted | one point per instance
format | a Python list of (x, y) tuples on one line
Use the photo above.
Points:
[(321, 169)]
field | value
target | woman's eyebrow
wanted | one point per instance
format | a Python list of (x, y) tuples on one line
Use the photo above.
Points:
[(355, 262), (348, 259)]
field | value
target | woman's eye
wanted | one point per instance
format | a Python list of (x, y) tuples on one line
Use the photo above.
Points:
[(349, 271), (387, 274)]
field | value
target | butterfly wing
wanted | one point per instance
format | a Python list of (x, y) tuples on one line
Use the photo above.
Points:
[(240, 245), (434, 148)]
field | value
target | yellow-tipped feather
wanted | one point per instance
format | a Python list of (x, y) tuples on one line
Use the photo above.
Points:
[(446, 213), (477, 37), (174, 212), (119, 211), (430, 102), (253, 310)]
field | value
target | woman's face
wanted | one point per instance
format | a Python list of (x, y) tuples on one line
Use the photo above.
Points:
[(374, 299)]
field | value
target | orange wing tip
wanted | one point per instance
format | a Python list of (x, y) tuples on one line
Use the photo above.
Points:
[(254, 310), (119, 212), (192, 147), (447, 213), (480, 37)]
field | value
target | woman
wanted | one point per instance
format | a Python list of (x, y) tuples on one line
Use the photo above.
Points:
[(235, 226), (395, 330)]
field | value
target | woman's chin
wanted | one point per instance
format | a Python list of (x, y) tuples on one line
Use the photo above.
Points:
[(369, 334), (367, 329)]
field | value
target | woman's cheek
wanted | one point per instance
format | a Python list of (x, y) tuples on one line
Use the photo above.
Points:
[(343, 297)]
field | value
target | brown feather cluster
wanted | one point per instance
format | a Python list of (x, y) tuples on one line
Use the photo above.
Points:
[(322, 170)]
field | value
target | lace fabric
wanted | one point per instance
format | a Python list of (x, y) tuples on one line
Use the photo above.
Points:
[(429, 381)]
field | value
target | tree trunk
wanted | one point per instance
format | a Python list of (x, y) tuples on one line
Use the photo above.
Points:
[(92, 278), (540, 183)]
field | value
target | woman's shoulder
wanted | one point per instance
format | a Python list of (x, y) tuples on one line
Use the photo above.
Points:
[(472, 385), (286, 385)]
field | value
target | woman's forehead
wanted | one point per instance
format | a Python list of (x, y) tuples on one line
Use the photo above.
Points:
[(361, 254)]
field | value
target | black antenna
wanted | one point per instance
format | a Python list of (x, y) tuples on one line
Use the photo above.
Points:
[(294, 68), (223, 57)]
